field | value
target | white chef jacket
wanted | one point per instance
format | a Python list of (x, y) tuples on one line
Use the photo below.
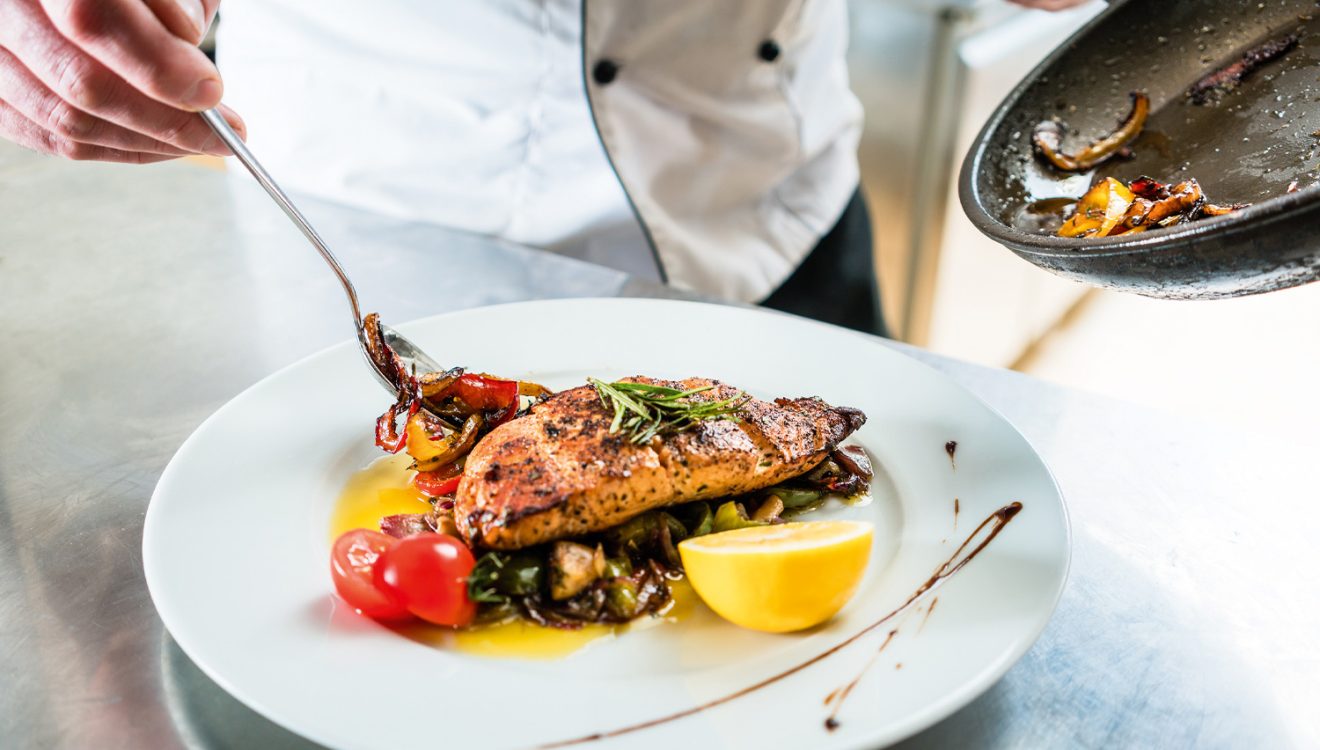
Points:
[(706, 143)]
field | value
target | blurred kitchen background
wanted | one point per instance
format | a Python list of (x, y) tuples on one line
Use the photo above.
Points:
[(929, 73)]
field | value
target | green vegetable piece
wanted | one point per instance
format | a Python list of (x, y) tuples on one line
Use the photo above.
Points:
[(797, 498), (621, 598), (697, 518), (635, 535), (481, 583), (618, 567), (677, 531), (496, 613), (497, 576), (523, 574), (732, 515)]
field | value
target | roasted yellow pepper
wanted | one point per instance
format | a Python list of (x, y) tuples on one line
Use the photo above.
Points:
[(1099, 211)]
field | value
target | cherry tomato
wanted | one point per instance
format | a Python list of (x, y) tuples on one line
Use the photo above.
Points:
[(439, 482), (352, 560), (428, 573)]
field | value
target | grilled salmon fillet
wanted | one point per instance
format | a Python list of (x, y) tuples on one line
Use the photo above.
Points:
[(558, 472)]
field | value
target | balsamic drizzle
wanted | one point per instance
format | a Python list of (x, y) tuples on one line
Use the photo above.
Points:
[(841, 694), (996, 522), (933, 601)]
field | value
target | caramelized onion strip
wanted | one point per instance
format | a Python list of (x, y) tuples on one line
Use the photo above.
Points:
[(1048, 139)]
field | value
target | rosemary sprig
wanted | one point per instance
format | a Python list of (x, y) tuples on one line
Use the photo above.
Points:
[(644, 410)]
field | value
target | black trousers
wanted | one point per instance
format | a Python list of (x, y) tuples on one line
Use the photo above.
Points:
[(836, 283)]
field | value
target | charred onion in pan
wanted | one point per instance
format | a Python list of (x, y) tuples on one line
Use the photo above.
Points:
[(1220, 82), (1163, 204), (1048, 139), (1111, 208)]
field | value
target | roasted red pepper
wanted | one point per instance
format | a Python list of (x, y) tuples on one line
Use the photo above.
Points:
[(482, 393), (437, 483), (1148, 188), (388, 435), (508, 414)]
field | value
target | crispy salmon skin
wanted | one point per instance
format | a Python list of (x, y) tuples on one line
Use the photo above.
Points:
[(558, 472)]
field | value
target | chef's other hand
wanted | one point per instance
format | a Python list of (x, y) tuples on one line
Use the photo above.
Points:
[(109, 80), (1049, 4)]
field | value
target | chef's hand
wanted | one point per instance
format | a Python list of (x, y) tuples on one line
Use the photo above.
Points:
[(1049, 4), (109, 80)]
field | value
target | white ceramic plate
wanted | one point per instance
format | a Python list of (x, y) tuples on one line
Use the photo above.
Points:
[(236, 549)]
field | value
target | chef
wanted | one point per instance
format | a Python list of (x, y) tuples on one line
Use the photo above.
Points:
[(707, 144)]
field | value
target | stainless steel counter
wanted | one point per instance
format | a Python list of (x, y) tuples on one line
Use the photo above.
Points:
[(135, 301)]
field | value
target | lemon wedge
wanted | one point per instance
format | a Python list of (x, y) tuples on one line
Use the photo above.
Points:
[(779, 578)]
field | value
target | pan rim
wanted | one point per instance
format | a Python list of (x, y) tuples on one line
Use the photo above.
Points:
[(1273, 209)]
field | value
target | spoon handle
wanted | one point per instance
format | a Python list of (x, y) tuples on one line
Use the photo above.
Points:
[(240, 149)]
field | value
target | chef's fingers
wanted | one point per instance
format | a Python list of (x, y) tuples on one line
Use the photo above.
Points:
[(182, 17), (88, 86), (189, 20), (24, 132), (127, 38), (185, 19), (234, 121), (31, 98)]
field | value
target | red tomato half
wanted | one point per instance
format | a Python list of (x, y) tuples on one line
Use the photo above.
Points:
[(353, 559), (428, 573)]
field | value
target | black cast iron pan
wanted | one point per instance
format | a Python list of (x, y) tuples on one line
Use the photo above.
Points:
[(1252, 146)]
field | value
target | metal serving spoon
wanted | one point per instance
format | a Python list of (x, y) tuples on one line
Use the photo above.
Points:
[(409, 354)]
